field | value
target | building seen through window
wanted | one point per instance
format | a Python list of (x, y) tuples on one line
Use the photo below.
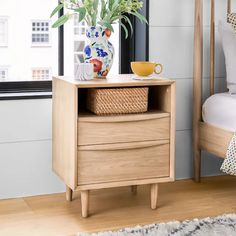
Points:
[(29, 45), (40, 33)]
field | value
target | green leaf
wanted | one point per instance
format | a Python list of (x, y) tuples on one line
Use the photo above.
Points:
[(106, 25), (94, 19), (130, 24), (107, 19), (95, 5), (115, 18), (125, 29), (61, 21), (139, 16), (103, 9), (110, 4), (82, 13), (115, 6), (58, 8)]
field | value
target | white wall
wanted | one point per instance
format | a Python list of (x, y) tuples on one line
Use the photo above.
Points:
[(171, 43), (25, 149)]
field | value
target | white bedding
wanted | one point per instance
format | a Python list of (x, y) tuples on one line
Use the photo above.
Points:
[(220, 110)]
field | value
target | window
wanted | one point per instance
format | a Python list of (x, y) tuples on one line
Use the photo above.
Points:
[(3, 73), (32, 43), (33, 52), (3, 31), (41, 73), (41, 33)]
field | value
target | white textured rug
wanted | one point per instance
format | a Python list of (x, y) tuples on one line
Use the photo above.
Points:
[(219, 226)]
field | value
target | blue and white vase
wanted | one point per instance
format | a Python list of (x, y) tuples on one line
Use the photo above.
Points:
[(99, 51)]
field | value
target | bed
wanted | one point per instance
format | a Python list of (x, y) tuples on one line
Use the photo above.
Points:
[(213, 126), (217, 111)]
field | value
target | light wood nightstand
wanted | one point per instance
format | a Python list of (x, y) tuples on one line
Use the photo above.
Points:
[(96, 152)]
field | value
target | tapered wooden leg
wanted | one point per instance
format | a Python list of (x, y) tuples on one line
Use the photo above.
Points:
[(134, 189), (197, 165), (85, 203), (154, 196), (69, 193)]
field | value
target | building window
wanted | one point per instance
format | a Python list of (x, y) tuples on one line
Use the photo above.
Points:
[(41, 33), (3, 31), (41, 73), (79, 27), (78, 50), (3, 73), (79, 39)]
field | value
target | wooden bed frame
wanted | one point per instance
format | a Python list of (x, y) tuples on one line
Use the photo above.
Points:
[(205, 136)]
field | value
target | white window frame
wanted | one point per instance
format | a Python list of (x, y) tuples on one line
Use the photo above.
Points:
[(41, 69), (4, 68), (41, 44), (79, 37), (5, 20)]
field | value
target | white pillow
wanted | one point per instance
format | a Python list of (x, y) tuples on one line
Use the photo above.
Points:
[(228, 37)]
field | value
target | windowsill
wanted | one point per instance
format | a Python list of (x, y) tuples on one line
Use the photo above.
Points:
[(7, 80), (41, 46), (16, 90), (25, 95)]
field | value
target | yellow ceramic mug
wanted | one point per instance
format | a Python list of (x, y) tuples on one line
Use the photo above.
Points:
[(145, 68)]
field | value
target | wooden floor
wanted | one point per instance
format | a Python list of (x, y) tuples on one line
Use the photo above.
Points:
[(116, 208)]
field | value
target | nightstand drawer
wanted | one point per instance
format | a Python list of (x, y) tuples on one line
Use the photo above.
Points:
[(93, 130), (122, 162)]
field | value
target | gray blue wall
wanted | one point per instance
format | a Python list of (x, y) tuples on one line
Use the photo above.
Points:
[(171, 43)]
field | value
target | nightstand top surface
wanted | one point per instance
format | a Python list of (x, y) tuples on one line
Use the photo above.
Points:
[(121, 80)]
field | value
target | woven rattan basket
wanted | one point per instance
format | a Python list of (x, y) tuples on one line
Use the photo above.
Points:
[(117, 100)]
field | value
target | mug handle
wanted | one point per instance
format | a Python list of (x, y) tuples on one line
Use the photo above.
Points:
[(161, 69)]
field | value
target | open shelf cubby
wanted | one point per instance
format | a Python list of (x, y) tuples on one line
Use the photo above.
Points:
[(158, 103)]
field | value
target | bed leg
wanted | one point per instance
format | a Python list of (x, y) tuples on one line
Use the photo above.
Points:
[(197, 165), (197, 86)]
